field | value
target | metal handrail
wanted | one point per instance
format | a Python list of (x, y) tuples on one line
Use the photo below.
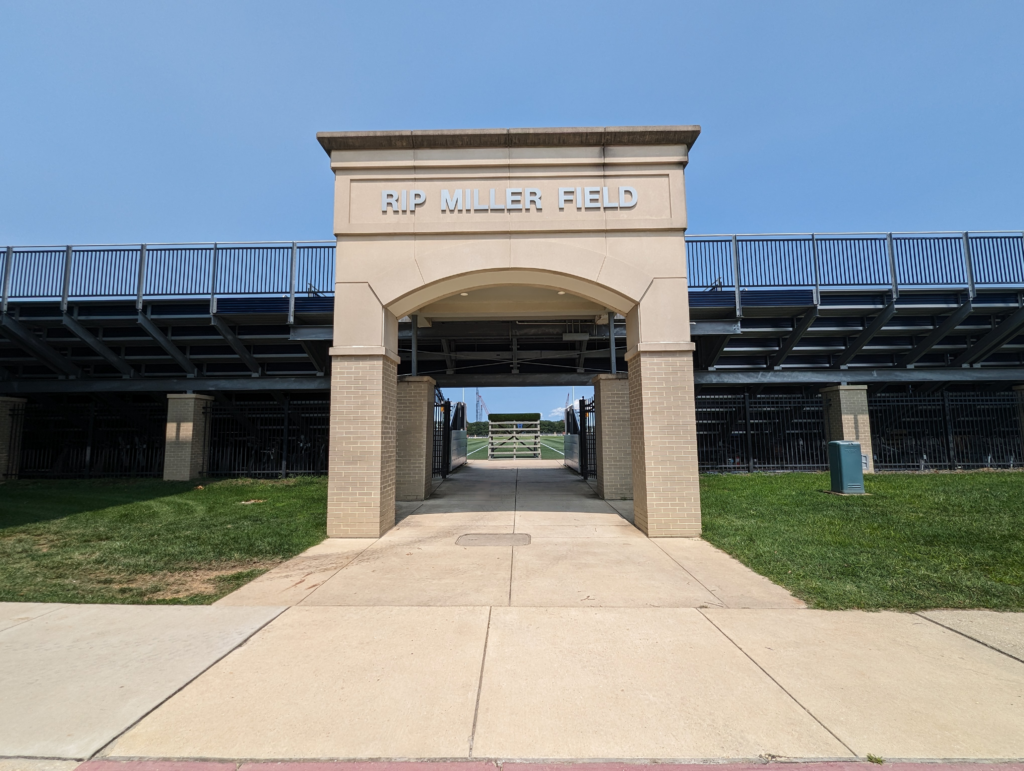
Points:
[(886, 262), (166, 271)]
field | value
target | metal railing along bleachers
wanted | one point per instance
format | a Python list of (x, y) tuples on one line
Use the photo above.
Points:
[(845, 261), (856, 261), (167, 271)]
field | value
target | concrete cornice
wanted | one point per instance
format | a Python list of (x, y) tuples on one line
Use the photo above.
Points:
[(519, 137)]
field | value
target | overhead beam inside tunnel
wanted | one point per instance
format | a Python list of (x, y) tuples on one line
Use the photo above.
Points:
[(858, 375)]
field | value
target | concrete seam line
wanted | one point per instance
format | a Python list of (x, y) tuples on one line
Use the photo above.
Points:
[(972, 639), (512, 558), (100, 753), (781, 687), (480, 683), (332, 575), (683, 568), (58, 606)]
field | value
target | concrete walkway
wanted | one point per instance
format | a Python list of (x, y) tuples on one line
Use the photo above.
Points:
[(583, 552), (444, 641)]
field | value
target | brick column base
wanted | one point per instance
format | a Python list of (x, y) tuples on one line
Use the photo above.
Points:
[(10, 436), (614, 460), (663, 438), (361, 469), (188, 443), (847, 419), (414, 452)]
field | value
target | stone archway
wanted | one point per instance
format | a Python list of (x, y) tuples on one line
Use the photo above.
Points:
[(423, 217)]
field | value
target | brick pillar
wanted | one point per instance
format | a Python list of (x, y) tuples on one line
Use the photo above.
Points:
[(414, 453), (611, 439), (846, 418), (361, 481), (10, 436), (188, 441), (663, 439)]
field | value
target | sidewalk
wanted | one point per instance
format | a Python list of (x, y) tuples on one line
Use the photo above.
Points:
[(589, 643)]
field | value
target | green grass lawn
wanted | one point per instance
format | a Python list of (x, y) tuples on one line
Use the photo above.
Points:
[(142, 541), (917, 541), (550, 447)]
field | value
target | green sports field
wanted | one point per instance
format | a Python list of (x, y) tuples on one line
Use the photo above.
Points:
[(551, 448)]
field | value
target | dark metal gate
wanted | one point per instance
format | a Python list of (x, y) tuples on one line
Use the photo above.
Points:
[(268, 438), (15, 421), (442, 462), (571, 440), (588, 442), (95, 438), (763, 433), (946, 431)]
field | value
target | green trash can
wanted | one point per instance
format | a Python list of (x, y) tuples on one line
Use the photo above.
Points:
[(844, 464)]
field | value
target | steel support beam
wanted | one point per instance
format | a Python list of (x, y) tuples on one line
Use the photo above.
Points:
[(799, 329), (708, 328), (503, 330), (22, 337), (936, 336), (507, 379), (712, 350), (165, 342), (975, 353), (881, 375), (165, 385), (311, 333), (236, 345), (312, 383), (317, 353), (449, 362), (864, 337), (98, 346)]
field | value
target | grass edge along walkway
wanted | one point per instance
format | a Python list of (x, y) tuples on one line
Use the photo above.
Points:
[(917, 541)]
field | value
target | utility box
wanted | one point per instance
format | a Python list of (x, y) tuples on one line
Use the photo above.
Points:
[(845, 466)]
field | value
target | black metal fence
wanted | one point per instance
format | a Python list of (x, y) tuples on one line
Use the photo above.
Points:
[(15, 419), (81, 439), (946, 431), (442, 462), (588, 441), (450, 437), (268, 438), (765, 433)]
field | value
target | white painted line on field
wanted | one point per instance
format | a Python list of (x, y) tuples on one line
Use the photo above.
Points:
[(553, 448), (478, 449)]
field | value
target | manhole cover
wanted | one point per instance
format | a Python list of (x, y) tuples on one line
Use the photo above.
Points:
[(493, 539)]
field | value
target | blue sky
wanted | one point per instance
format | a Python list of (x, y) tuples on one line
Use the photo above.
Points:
[(192, 121)]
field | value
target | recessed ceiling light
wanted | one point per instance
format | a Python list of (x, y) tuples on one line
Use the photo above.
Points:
[(561, 293), (465, 294)]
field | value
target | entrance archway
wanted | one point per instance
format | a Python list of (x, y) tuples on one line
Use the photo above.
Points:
[(531, 222)]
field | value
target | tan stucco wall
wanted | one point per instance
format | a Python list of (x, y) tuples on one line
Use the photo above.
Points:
[(393, 264)]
